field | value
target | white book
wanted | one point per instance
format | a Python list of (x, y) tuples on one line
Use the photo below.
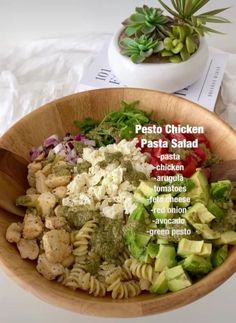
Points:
[(204, 92)]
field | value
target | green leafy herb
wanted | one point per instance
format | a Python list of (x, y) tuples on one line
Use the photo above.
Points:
[(86, 125), (116, 125)]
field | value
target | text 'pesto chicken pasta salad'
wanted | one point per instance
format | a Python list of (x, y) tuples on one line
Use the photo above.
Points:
[(125, 207)]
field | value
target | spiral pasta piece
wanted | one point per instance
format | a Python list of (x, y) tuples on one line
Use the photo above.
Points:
[(78, 278), (121, 289), (82, 238), (64, 276), (108, 273), (140, 270)]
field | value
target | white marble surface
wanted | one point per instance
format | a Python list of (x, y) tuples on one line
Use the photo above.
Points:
[(24, 20)]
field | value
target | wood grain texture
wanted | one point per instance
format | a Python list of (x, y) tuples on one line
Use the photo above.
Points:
[(57, 117)]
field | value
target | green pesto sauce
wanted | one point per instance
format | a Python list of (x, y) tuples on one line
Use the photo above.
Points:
[(78, 216), (227, 223), (92, 266), (61, 170), (79, 146), (134, 226), (132, 175), (107, 240), (83, 167)]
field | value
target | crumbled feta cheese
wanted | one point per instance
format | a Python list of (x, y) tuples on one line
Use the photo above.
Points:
[(104, 188)]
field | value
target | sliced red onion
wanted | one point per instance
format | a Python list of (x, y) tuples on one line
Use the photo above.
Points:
[(51, 141), (58, 148), (68, 137), (64, 148), (35, 152), (89, 142)]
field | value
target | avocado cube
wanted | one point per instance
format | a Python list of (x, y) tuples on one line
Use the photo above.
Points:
[(142, 239), (219, 256), (200, 193), (136, 251), (221, 190), (206, 250), (198, 214), (140, 198), (182, 204), (206, 232), (160, 284), (197, 264), (139, 214), (166, 257), (152, 249), (228, 237), (177, 278), (162, 241), (148, 188), (215, 210), (160, 208), (174, 272), (187, 247)]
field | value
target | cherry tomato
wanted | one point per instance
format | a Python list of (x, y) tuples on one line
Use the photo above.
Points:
[(200, 153), (154, 161), (190, 165), (189, 136), (202, 139), (177, 136), (157, 152)]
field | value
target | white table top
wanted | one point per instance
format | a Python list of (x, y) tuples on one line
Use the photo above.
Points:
[(28, 20)]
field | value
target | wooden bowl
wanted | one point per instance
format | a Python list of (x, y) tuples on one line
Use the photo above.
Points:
[(57, 117)]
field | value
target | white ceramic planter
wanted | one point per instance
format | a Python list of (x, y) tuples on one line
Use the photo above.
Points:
[(167, 77)]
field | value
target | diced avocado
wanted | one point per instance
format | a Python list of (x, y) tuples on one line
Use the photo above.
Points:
[(221, 190), (160, 284), (152, 249), (219, 256), (198, 213), (139, 214), (228, 237), (142, 239), (188, 247), (174, 272), (137, 242), (215, 210), (162, 241), (206, 250), (148, 188), (184, 203), (197, 264), (206, 232), (136, 251), (145, 257), (200, 193), (163, 206), (166, 257), (177, 278), (140, 198), (27, 200)]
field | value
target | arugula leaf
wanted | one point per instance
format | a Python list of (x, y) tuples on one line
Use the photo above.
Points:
[(85, 126), (116, 125)]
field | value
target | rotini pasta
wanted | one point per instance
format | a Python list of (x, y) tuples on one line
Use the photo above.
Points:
[(140, 270), (121, 289), (78, 278), (81, 238)]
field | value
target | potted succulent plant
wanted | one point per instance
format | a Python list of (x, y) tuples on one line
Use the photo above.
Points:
[(163, 52)]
